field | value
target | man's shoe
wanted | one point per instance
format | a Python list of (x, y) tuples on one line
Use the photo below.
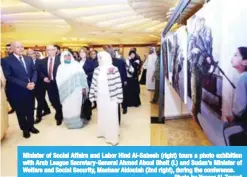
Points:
[(11, 111), (38, 120), (59, 122), (34, 130), (46, 113), (26, 134)]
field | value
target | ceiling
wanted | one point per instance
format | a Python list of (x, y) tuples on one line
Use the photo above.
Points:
[(84, 22)]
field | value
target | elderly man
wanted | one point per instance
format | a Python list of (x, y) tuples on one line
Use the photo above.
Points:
[(48, 71), (21, 76)]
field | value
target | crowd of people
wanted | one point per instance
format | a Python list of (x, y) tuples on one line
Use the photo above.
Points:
[(76, 82)]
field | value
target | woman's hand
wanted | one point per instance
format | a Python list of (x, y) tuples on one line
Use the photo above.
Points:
[(93, 104), (229, 119)]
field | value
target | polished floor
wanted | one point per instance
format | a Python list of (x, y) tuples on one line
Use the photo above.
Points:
[(136, 130)]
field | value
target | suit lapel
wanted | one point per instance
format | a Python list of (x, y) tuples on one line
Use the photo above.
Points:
[(56, 64), (17, 61), (26, 63)]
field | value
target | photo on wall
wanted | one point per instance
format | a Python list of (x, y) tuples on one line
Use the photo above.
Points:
[(169, 46), (212, 52), (234, 60), (177, 61), (205, 75), (165, 56)]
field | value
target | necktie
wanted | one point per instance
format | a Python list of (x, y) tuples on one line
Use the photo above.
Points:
[(23, 64), (50, 69)]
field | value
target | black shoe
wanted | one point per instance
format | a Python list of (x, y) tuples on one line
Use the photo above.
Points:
[(26, 134), (59, 122), (46, 113), (11, 111), (34, 130), (38, 120), (124, 111)]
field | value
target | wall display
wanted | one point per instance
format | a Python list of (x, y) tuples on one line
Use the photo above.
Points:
[(215, 37), (234, 50), (204, 62), (176, 60)]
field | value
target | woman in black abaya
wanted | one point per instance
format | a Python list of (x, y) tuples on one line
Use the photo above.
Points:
[(133, 87)]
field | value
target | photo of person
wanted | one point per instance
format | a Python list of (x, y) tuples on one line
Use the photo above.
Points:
[(177, 62), (204, 65)]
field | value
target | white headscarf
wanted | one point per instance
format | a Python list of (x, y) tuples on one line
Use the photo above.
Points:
[(104, 59), (66, 70)]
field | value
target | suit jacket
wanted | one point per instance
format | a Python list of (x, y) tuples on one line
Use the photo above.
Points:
[(43, 65), (120, 64), (38, 66), (17, 77), (89, 67)]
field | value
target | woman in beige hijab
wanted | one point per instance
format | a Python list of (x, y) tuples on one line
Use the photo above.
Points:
[(4, 106)]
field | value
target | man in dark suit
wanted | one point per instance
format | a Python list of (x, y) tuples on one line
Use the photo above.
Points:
[(48, 72), (21, 76), (58, 50), (40, 89), (8, 53)]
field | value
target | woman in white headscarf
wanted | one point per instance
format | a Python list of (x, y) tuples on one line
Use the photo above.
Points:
[(72, 86), (106, 90)]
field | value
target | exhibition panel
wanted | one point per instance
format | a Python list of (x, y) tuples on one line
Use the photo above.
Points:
[(209, 68)]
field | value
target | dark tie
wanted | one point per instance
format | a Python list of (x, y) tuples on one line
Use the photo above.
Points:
[(22, 63)]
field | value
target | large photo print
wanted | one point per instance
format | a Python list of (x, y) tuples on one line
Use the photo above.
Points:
[(176, 67), (204, 63)]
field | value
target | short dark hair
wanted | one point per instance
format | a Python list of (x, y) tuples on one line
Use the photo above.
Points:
[(243, 52), (58, 47), (132, 51), (8, 45)]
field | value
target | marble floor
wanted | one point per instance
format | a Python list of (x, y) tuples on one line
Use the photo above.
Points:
[(136, 130)]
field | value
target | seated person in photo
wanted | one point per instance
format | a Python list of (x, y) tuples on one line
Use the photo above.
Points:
[(72, 87), (239, 62)]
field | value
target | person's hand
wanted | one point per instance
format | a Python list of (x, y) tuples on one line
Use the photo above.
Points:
[(30, 86), (47, 80), (208, 60), (125, 83), (84, 92), (229, 119), (33, 84), (92, 104)]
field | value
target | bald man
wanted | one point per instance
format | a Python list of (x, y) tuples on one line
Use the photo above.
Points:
[(21, 76), (48, 72)]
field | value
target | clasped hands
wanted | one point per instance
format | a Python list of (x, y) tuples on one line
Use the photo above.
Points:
[(30, 85)]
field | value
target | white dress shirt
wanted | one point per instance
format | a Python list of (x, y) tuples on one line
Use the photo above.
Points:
[(22, 60), (34, 61), (48, 66)]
